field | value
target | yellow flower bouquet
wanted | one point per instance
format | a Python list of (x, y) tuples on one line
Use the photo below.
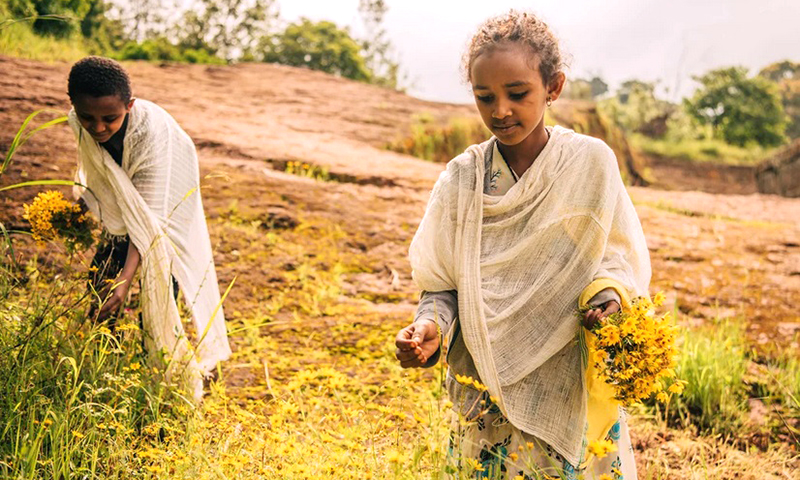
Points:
[(54, 217), (634, 351)]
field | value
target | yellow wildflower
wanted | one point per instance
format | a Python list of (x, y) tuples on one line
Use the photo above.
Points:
[(677, 387), (601, 448)]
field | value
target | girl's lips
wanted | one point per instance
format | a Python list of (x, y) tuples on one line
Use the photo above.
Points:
[(505, 128)]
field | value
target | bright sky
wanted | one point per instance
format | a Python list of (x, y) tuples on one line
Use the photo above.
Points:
[(617, 39)]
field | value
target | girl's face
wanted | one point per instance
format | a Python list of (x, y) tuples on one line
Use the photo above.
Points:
[(510, 94), (102, 117)]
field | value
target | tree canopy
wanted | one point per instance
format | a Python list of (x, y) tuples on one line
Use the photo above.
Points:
[(741, 109), (319, 46)]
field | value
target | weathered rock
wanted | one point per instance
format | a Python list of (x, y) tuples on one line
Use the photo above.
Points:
[(780, 175)]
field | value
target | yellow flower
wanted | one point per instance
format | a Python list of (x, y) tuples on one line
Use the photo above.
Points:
[(393, 456), (77, 434), (599, 356), (601, 448), (605, 476), (677, 387), (479, 386), (475, 464), (658, 300), (608, 335), (662, 397)]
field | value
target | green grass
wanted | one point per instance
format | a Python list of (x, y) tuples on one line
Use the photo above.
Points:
[(18, 40), (705, 150), (714, 363)]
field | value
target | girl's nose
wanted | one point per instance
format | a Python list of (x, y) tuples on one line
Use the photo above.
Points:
[(502, 110)]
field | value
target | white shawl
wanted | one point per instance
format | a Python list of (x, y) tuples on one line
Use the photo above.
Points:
[(154, 198), (519, 263)]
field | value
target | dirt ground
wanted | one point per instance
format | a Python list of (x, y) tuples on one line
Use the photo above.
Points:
[(715, 255), (718, 255)]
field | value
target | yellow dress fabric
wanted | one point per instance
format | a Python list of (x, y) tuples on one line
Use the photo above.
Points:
[(602, 408)]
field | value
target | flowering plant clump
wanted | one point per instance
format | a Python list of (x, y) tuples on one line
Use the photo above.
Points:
[(635, 351), (52, 217)]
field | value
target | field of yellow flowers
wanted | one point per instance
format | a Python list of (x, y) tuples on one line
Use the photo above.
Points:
[(317, 249)]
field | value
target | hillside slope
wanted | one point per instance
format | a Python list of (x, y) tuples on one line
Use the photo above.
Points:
[(347, 236)]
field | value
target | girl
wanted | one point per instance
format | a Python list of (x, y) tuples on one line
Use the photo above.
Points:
[(517, 230), (142, 180)]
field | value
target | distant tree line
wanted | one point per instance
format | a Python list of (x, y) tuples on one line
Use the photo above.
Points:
[(216, 31), (738, 108)]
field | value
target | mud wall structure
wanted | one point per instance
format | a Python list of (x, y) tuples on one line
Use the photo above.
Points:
[(780, 175)]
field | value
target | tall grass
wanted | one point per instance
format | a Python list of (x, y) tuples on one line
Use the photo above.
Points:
[(714, 363), (75, 399), (431, 141), (18, 40)]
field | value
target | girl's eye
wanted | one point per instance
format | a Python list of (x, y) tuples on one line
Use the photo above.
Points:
[(485, 98), (109, 119), (517, 96)]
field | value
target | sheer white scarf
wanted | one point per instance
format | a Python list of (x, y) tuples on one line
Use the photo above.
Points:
[(154, 198), (519, 263)]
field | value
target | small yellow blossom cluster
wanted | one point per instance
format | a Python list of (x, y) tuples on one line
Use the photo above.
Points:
[(52, 216), (635, 352), (307, 170), (601, 448), (469, 381)]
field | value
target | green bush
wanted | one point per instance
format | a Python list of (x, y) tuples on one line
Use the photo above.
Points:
[(161, 49)]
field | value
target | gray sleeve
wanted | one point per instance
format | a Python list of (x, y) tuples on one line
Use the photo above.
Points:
[(441, 307)]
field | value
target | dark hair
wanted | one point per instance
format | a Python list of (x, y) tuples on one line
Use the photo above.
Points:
[(521, 28), (98, 77)]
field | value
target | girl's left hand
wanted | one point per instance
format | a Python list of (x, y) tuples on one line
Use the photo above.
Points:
[(596, 314)]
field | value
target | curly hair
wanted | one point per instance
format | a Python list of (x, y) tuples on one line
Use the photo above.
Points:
[(521, 28), (98, 77)]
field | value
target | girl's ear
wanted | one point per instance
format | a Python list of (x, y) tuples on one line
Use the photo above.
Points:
[(130, 104), (556, 86)]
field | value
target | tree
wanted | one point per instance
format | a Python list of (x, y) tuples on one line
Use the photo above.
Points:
[(741, 110), (787, 75), (319, 46), (577, 89), (598, 86), (635, 108), (231, 29), (377, 49), (58, 18)]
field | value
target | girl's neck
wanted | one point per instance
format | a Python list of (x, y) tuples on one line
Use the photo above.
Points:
[(521, 156)]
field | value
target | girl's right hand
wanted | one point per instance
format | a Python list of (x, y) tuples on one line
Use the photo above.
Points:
[(416, 343)]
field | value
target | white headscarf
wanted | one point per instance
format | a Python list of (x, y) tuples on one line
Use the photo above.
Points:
[(519, 263), (154, 198)]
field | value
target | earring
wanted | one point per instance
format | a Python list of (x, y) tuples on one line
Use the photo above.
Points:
[(549, 101)]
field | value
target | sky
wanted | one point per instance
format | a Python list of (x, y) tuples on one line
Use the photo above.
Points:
[(650, 40)]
